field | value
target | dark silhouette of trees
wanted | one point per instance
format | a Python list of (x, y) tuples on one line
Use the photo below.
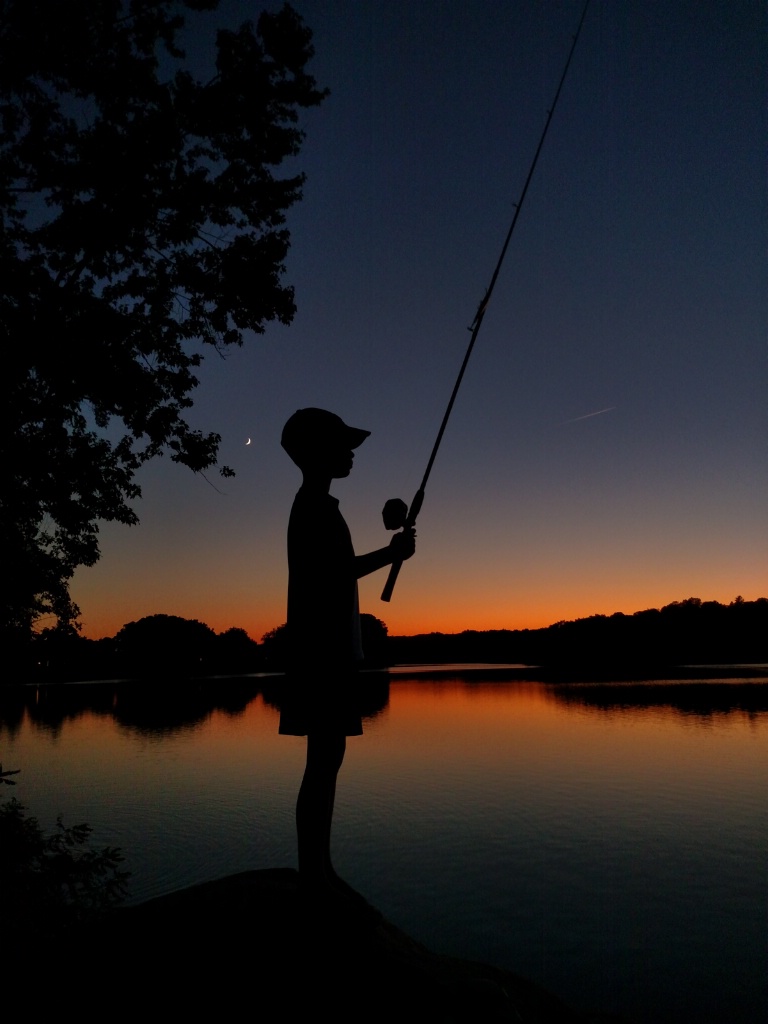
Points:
[(143, 219), (165, 645), (160, 647), (235, 652), (274, 645), (168, 647), (374, 636), (683, 632)]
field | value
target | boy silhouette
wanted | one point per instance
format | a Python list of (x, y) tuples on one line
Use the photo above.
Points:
[(324, 632)]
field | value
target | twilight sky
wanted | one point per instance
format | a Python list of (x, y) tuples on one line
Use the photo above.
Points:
[(634, 287)]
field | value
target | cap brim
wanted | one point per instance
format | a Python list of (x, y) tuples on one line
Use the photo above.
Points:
[(356, 436)]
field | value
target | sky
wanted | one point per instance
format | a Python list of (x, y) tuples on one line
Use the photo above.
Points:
[(607, 449)]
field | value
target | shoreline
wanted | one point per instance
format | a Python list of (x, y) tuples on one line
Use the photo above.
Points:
[(488, 671)]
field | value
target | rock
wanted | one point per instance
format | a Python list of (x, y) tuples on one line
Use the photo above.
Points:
[(250, 943)]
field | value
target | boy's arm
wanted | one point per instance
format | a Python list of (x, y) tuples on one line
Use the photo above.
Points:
[(401, 546)]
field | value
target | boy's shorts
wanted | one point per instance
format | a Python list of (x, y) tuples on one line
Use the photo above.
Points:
[(323, 701)]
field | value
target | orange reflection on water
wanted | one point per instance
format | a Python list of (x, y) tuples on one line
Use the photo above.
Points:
[(531, 731)]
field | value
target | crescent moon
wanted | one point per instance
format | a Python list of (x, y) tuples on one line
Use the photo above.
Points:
[(248, 441)]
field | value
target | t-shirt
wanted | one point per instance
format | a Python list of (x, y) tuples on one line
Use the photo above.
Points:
[(323, 610)]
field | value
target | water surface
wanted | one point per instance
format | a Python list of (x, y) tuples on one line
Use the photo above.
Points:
[(608, 841)]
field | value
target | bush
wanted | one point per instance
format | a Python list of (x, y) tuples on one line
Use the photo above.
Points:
[(49, 883)]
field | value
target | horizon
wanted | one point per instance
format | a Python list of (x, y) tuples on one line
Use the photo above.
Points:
[(222, 628)]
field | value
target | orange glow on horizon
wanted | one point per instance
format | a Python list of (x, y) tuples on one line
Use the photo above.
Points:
[(408, 618)]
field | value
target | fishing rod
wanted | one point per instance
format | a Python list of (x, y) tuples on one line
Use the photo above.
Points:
[(408, 520)]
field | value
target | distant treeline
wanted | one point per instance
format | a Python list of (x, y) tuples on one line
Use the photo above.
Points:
[(156, 645), (163, 646), (682, 633)]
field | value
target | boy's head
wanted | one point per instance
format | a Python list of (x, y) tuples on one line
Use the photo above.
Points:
[(312, 436)]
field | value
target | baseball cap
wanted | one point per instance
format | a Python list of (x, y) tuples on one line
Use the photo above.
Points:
[(317, 430)]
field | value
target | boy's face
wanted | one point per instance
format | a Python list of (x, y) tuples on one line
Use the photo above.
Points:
[(340, 462), (334, 462)]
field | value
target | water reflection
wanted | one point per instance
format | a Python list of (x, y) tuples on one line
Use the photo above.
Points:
[(692, 699), (155, 709), (160, 708), (372, 699)]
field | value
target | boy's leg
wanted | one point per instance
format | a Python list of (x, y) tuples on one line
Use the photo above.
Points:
[(314, 807)]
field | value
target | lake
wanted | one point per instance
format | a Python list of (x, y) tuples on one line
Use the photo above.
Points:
[(609, 841)]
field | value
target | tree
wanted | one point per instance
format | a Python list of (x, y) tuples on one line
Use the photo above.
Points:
[(374, 635), (235, 651), (165, 645), (274, 645), (143, 219)]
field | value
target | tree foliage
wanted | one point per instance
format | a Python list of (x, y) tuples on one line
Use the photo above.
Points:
[(52, 881), (143, 219), (688, 632), (161, 647), (165, 644)]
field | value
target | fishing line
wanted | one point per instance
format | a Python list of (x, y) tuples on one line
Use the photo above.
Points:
[(418, 498)]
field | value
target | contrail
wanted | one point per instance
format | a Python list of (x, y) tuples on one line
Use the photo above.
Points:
[(590, 414)]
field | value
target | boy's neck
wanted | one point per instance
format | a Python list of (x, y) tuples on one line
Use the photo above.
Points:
[(318, 482)]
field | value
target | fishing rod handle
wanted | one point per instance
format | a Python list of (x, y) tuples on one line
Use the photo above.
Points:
[(410, 522), (389, 586)]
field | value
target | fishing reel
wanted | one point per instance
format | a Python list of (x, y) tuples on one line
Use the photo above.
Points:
[(394, 514)]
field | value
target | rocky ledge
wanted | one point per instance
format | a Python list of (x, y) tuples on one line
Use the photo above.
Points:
[(251, 943)]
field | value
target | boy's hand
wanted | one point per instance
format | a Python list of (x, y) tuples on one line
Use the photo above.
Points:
[(403, 544)]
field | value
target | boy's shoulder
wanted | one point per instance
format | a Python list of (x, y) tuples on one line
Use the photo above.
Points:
[(313, 507), (307, 498)]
